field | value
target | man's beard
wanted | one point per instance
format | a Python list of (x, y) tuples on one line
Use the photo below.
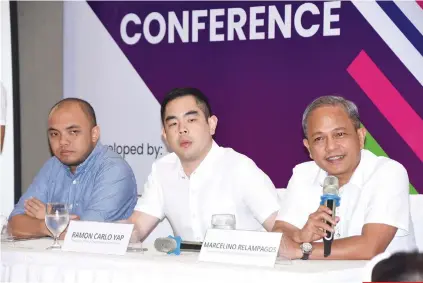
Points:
[(79, 161)]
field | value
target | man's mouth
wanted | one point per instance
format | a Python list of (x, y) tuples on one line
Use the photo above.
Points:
[(66, 152), (185, 144), (335, 158)]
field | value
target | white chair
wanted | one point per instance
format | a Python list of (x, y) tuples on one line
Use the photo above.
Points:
[(416, 210)]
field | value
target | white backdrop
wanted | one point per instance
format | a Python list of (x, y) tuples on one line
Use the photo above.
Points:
[(120, 98), (7, 156)]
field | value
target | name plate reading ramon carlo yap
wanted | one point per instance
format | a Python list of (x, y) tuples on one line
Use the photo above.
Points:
[(97, 237), (240, 247)]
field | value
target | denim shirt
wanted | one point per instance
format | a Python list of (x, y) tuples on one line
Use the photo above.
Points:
[(103, 187)]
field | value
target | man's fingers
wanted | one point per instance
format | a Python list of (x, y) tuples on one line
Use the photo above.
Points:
[(319, 232), (323, 208), (38, 202), (29, 213), (33, 204), (74, 217), (328, 218), (322, 216), (323, 226), (319, 222), (31, 210)]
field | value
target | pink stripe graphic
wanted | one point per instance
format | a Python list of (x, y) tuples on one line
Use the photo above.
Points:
[(420, 3), (389, 101)]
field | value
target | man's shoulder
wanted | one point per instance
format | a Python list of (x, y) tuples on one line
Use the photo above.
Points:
[(305, 175), (52, 165), (166, 163), (306, 169), (235, 159), (108, 159), (381, 165), (169, 159)]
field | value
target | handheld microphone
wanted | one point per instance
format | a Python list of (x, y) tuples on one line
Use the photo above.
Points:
[(331, 199), (174, 245)]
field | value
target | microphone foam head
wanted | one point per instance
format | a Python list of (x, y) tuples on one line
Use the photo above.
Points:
[(331, 185), (165, 245)]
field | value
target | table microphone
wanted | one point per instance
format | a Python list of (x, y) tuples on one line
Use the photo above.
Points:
[(331, 199), (174, 245)]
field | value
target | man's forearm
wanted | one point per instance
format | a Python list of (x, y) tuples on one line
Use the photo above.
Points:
[(351, 248), (143, 223), (23, 226)]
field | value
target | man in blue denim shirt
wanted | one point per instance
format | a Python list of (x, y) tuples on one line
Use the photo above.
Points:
[(96, 182)]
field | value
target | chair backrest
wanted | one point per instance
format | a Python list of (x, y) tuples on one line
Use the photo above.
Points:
[(416, 209)]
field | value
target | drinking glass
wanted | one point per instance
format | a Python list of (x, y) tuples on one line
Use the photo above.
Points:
[(135, 243), (57, 219), (223, 221)]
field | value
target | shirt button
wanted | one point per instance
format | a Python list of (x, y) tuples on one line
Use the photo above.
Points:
[(74, 182)]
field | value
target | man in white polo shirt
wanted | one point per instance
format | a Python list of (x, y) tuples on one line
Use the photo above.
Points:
[(200, 178), (374, 212)]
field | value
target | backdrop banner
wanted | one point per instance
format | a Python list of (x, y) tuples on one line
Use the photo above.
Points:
[(260, 63)]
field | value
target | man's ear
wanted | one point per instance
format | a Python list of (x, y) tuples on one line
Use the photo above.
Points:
[(307, 145), (164, 134), (362, 136), (212, 120), (95, 133)]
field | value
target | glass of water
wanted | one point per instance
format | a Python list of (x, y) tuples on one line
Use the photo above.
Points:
[(223, 221), (57, 219), (135, 242)]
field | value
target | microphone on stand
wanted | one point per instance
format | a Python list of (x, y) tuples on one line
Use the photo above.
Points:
[(174, 245), (331, 199)]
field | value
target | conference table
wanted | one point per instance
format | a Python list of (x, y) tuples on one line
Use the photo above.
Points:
[(29, 261)]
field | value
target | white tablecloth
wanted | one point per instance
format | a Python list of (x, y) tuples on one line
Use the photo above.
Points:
[(28, 261)]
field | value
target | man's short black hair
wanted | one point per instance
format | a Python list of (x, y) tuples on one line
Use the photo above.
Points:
[(200, 98), (400, 267), (85, 106)]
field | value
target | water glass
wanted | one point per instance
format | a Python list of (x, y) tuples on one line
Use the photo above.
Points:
[(57, 219), (223, 221), (135, 243)]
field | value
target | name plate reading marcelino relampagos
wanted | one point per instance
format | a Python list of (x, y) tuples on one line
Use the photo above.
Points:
[(97, 237), (240, 247)]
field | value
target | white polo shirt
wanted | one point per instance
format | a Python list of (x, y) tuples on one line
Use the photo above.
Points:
[(226, 182), (378, 192)]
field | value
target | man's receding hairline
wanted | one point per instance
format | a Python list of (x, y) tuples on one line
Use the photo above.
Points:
[(67, 103)]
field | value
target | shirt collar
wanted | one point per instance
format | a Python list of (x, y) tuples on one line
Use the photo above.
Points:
[(205, 165), (357, 177), (87, 162)]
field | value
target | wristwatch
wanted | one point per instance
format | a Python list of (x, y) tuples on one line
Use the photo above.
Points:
[(306, 248)]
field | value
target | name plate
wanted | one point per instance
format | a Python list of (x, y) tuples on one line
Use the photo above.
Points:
[(240, 247), (97, 237)]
